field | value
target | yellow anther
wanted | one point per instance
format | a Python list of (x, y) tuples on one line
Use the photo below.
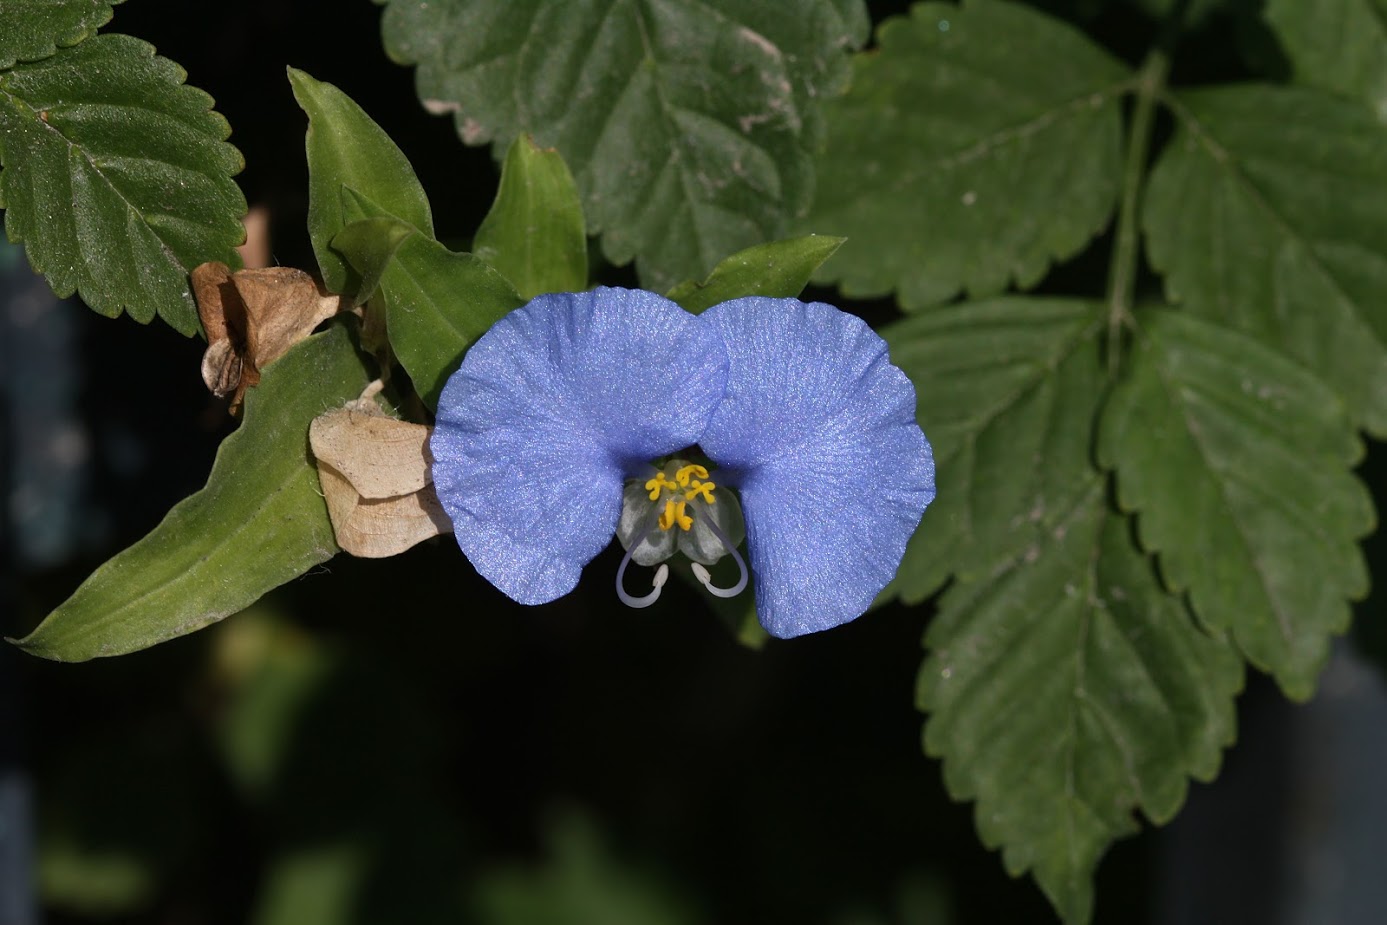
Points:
[(704, 489), (682, 476), (674, 514), (655, 485)]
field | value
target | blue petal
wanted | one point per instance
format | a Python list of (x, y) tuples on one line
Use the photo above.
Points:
[(817, 429), (550, 410)]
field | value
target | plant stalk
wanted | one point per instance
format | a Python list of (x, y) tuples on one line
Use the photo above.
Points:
[(1122, 274)]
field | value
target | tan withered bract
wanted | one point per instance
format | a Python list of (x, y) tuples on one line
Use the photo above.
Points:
[(252, 318), (375, 475)]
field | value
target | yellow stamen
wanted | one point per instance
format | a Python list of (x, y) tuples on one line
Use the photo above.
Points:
[(704, 489), (674, 514), (682, 476), (655, 485)]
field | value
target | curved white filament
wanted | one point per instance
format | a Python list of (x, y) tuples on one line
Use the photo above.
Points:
[(661, 576), (706, 579)]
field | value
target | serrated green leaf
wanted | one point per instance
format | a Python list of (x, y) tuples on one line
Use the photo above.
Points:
[(534, 234), (34, 29), (437, 302), (1336, 45), (976, 145), (259, 522), (1268, 213), (688, 124), (346, 148), (117, 177), (1006, 391), (778, 269), (1069, 691), (1237, 461)]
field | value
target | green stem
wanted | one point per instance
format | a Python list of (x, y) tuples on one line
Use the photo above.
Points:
[(1122, 276)]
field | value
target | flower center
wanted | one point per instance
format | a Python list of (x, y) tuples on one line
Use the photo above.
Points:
[(679, 494)]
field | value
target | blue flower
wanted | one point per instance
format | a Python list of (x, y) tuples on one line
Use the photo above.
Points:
[(614, 412)]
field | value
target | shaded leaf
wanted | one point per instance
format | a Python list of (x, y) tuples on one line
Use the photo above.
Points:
[(346, 148), (976, 145), (688, 124), (259, 522), (1336, 45), (534, 233), (368, 244), (34, 29), (1069, 691), (779, 269), (1268, 213), (1237, 462), (117, 177), (1006, 392)]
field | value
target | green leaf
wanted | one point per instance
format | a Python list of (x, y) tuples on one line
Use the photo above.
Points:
[(34, 29), (1268, 213), (1336, 45), (1237, 461), (1006, 391), (437, 302), (780, 269), (534, 232), (117, 177), (688, 124), (346, 148), (1068, 691), (259, 522), (368, 245), (977, 144)]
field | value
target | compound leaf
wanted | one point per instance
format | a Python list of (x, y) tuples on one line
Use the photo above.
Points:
[(688, 124), (1237, 462), (33, 29), (1268, 213), (258, 523), (976, 145), (1068, 691), (117, 177), (1006, 391)]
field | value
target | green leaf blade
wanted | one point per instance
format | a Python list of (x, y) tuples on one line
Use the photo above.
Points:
[(1268, 213), (258, 523), (1237, 462), (1006, 391), (437, 302), (1069, 691), (779, 269), (688, 125), (534, 234), (34, 29), (346, 148), (976, 146), (117, 177), (1336, 45)]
